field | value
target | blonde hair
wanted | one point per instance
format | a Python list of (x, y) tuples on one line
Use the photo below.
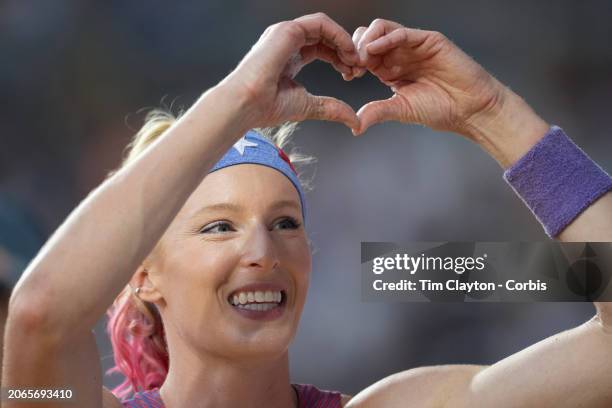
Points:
[(135, 327), (157, 121)]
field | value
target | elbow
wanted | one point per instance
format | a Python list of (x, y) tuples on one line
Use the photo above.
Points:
[(29, 318)]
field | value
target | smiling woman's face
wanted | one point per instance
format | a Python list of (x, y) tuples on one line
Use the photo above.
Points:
[(232, 270)]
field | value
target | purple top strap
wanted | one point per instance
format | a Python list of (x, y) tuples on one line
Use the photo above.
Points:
[(309, 396)]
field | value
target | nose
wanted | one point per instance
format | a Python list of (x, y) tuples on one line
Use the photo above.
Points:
[(259, 249)]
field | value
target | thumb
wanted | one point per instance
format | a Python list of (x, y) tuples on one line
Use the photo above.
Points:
[(378, 112), (332, 109)]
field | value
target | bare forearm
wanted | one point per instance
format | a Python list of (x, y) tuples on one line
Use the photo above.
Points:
[(594, 224), (511, 130), (567, 370), (96, 250)]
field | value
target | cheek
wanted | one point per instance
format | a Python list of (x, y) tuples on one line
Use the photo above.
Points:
[(196, 271), (299, 262), (306, 267)]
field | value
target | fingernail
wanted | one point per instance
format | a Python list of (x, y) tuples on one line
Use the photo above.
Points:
[(363, 54)]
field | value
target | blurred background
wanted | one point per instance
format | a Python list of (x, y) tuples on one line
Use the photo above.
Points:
[(75, 76)]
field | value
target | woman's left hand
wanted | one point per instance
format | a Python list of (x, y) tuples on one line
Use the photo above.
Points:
[(438, 85), (435, 83)]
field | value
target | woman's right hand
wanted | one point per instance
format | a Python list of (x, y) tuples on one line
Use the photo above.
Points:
[(265, 76)]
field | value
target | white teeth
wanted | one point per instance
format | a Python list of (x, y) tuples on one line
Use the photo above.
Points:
[(257, 297), (258, 307)]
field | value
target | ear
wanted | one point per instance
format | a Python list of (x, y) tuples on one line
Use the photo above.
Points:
[(144, 287)]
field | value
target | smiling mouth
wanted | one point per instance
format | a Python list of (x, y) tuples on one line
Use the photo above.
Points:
[(258, 301)]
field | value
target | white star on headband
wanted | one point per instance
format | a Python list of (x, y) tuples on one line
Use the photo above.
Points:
[(242, 143)]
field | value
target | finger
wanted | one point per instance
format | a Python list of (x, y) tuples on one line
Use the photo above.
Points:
[(331, 109), (378, 112), (401, 36), (278, 44), (319, 27), (358, 72), (324, 53), (358, 34), (388, 75), (377, 29), (346, 75)]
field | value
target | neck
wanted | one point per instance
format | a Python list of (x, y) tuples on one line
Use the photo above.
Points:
[(212, 381)]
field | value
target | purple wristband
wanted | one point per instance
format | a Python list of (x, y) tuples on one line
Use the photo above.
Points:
[(557, 180)]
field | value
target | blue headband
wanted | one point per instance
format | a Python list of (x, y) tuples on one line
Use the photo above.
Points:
[(256, 149)]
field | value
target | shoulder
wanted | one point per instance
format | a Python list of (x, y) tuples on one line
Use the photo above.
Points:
[(427, 387)]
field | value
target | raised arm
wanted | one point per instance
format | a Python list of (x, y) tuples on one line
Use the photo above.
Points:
[(94, 253), (436, 84), (568, 370)]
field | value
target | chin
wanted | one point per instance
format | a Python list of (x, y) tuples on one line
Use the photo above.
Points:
[(265, 344)]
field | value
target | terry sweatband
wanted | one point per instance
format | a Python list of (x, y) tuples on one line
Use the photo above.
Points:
[(254, 148), (557, 180)]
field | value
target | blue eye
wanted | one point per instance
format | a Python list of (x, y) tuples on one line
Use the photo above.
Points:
[(288, 223), (217, 227)]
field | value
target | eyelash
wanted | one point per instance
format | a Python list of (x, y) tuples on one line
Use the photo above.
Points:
[(294, 224)]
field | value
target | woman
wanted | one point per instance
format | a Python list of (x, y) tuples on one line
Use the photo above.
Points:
[(204, 250)]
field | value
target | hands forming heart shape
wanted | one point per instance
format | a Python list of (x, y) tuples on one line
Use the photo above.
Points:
[(434, 83)]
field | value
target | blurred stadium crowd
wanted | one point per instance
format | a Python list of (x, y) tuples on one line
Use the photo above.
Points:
[(75, 77)]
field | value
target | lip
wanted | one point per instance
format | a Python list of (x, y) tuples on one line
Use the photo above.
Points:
[(267, 315)]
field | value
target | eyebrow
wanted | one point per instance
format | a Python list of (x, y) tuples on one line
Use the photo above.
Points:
[(237, 208)]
